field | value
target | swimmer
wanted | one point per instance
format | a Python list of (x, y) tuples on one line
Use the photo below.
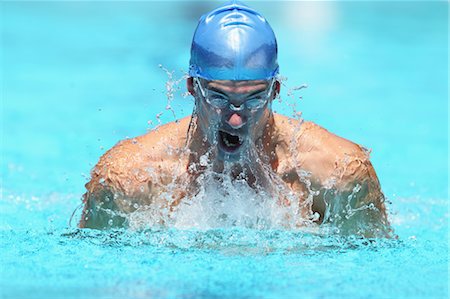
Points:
[(233, 79)]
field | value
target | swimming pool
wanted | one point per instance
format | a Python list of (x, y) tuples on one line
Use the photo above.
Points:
[(79, 76)]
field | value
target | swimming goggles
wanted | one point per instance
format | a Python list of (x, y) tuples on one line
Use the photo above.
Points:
[(220, 101)]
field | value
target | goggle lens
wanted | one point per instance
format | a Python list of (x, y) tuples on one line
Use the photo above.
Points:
[(220, 101)]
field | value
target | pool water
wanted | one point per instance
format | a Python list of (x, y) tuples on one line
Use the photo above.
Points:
[(79, 76)]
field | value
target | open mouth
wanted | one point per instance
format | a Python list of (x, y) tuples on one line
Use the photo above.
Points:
[(229, 142)]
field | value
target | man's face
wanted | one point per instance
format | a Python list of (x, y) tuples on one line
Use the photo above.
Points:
[(233, 114)]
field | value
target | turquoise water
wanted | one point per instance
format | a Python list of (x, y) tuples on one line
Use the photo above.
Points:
[(79, 76)]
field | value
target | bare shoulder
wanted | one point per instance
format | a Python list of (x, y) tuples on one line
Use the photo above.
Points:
[(126, 165), (131, 173), (325, 155), (171, 135), (337, 164)]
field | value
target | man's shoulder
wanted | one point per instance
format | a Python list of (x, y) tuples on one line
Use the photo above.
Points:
[(165, 137), (132, 159), (156, 144), (324, 154), (312, 137)]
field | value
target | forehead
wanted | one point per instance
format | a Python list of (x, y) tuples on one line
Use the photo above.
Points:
[(230, 86)]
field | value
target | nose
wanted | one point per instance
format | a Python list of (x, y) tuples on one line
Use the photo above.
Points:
[(235, 121), (236, 104)]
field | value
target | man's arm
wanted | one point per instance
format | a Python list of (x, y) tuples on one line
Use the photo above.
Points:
[(100, 207), (350, 195), (118, 184), (357, 204), (130, 175)]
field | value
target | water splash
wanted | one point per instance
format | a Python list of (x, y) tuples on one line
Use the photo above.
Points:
[(173, 88), (220, 200), (236, 241), (292, 96)]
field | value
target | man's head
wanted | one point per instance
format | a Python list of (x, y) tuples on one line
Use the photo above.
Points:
[(232, 72)]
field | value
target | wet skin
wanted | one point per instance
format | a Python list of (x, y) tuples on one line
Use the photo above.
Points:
[(139, 170), (233, 130)]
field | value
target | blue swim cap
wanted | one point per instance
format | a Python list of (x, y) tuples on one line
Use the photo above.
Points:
[(233, 42)]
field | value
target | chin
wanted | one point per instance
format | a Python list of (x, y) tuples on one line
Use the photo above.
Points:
[(240, 155), (227, 156)]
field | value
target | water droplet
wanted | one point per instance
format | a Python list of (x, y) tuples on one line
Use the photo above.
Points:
[(204, 160)]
